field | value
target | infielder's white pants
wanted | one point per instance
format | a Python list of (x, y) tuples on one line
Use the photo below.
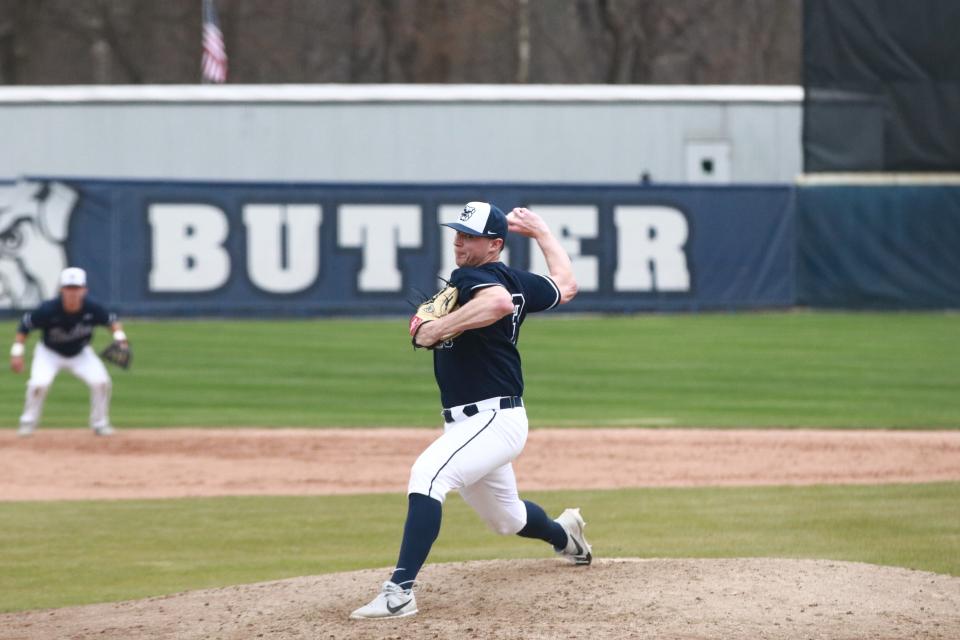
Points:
[(47, 363), (473, 456)]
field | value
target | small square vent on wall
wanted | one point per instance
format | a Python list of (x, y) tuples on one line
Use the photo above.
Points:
[(708, 161)]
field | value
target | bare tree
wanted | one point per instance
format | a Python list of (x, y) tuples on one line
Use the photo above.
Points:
[(523, 41), (15, 20)]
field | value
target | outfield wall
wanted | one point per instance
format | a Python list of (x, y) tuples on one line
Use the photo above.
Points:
[(287, 249), (598, 134), (878, 246)]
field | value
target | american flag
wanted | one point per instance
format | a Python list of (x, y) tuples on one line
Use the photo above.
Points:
[(214, 63)]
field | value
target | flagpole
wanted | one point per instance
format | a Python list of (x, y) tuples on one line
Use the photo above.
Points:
[(203, 30)]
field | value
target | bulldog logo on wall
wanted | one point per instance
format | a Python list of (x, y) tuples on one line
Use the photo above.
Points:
[(468, 212), (34, 219)]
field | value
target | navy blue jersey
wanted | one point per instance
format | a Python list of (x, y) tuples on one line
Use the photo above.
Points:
[(66, 333), (484, 363)]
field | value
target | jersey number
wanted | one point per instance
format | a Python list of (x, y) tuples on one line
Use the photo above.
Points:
[(518, 304)]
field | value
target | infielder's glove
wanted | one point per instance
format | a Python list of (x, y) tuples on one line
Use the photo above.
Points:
[(118, 353), (442, 303)]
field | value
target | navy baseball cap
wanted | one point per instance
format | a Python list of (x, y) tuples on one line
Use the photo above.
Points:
[(480, 219)]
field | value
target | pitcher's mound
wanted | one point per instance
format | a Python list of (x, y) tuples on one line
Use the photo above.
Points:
[(524, 599)]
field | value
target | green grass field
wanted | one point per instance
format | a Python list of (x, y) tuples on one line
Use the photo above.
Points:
[(56, 554), (724, 370)]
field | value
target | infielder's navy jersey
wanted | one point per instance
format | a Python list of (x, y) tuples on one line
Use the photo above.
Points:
[(484, 363), (66, 333)]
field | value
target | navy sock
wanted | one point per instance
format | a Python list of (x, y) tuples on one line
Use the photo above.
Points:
[(542, 527), (419, 532)]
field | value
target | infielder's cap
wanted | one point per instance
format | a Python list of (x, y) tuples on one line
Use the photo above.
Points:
[(480, 219), (73, 277)]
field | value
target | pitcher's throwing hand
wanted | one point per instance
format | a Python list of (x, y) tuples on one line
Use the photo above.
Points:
[(526, 223)]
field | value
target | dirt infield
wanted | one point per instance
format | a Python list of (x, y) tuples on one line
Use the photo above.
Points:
[(615, 598), (549, 599), (73, 464)]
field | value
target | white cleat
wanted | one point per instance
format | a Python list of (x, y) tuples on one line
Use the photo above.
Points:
[(578, 550), (26, 430), (393, 601), (105, 430)]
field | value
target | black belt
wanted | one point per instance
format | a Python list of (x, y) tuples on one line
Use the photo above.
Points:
[(470, 410)]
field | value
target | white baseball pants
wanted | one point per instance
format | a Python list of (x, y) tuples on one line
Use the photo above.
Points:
[(47, 363), (474, 456)]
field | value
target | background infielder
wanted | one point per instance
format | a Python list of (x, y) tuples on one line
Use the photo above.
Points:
[(481, 388), (67, 323)]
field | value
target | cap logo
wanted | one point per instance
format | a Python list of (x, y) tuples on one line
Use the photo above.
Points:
[(467, 213)]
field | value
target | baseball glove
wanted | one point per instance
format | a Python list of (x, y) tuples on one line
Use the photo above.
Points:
[(434, 308), (118, 353)]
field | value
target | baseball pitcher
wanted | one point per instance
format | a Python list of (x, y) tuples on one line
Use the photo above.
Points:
[(67, 323), (472, 328)]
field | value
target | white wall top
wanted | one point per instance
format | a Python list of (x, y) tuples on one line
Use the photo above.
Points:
[(320, 93)]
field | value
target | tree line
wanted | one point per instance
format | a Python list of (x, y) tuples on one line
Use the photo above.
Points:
[(406, 41)]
